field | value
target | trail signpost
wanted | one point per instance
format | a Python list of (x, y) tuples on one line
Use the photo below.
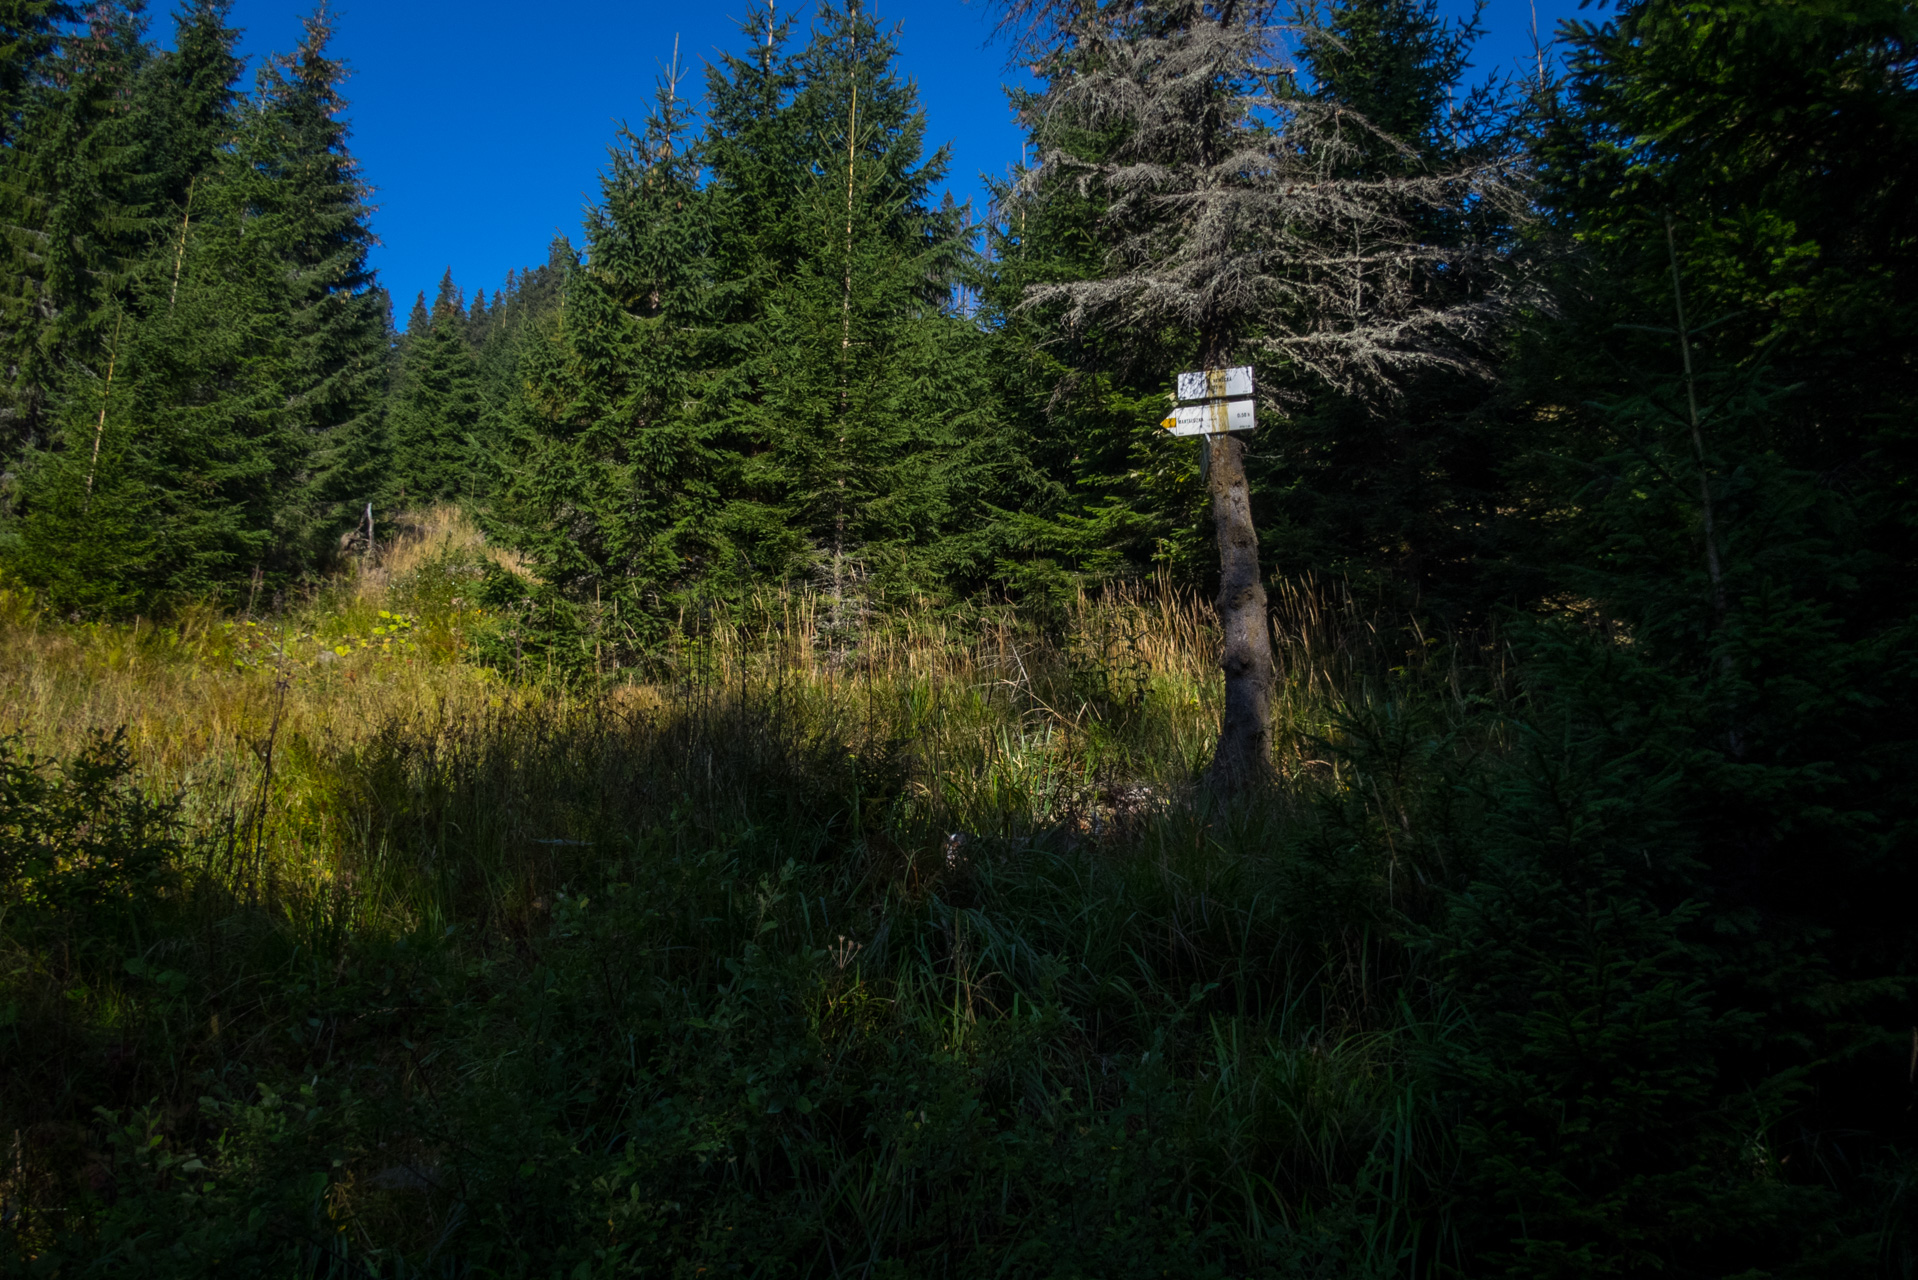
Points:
[(1217, 405), (1212, 402)]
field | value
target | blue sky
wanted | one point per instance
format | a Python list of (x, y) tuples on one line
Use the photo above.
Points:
[(483, 126)]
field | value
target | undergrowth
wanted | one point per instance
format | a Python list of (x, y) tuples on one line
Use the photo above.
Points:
[(913, 954)]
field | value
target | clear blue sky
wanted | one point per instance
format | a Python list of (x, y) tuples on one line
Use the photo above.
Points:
[(483, 126)]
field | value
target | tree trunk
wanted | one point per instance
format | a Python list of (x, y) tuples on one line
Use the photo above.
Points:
[(1244, 754)]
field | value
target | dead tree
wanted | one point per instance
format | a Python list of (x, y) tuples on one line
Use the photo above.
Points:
[(1237, 208)]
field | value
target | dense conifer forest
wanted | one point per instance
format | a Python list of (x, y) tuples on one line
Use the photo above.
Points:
[(745, 748)]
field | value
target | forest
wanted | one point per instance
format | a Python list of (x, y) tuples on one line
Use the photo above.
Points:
[(749, 749)]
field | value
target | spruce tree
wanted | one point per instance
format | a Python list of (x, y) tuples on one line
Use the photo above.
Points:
[(478, 319), (187, 99), (516, 322), (244, 337), (1110, 495), (29, 36), (761, 376), (1404, 490), (203, 414), (1720, 480), (106, 142), (436, 413), (170, 466), (76, 211), (307, 209), (612, 496), (860, 402)]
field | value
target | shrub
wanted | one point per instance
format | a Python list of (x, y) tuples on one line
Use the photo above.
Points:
[(82, 836)]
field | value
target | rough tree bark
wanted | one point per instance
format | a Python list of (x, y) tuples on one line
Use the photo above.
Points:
[(1244, 754)]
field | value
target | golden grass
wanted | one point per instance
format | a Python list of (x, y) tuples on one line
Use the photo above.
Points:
[(206, 700), (425, 536), (198, 688)]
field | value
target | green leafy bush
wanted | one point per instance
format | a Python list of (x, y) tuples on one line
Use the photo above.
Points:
[(82, 836)]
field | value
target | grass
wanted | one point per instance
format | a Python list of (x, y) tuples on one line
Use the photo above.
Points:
[(914, 953)]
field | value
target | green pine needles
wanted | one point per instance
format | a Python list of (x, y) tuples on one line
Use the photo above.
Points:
[(207, 403), (758, 373)]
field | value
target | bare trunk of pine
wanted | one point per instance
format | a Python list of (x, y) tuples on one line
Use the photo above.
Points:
[(845, 356), (1698, 436), (106, 394), (179, 255), (1733, 739), (1244, 754)]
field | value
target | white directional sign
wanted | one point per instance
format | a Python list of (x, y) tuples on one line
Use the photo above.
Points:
[(1223, 403), (1216, 384), (1210, 419)]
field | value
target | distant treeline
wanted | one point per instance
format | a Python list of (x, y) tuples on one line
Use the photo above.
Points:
[(776, 358)]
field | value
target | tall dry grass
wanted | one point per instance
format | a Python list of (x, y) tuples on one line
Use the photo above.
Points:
[(1004, 717), (954, 841)]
